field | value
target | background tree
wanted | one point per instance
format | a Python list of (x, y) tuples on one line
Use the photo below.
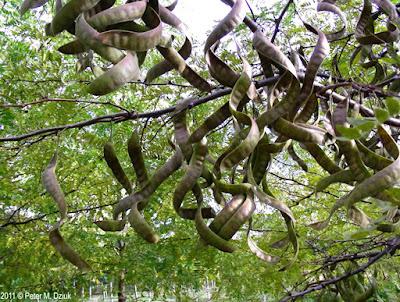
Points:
[(307, 97)]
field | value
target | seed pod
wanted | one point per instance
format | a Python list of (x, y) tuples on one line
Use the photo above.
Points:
[(269, 50), (238, 218), (164, 66), (67, 15), (176, 60), (260, 159), (297, 159), (111, 225), (234, 18), (52, 186), (66, 251), (141, 226), (208, 235), (321, 158), (88, 36), (136, 41), (328, 6), (226, 213), (188, 182), (121, 13), (300, 132), (288, 103), (72, 48), (126, 70), (30, 4), (246, 147), (371, 159), (141, 197), (343, 176), (136, 156), (112, 161)]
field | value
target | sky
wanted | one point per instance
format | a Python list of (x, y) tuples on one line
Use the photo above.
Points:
[(201, 16)]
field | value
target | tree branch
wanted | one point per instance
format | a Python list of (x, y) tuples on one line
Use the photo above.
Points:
[(123, 116), (391, 249)]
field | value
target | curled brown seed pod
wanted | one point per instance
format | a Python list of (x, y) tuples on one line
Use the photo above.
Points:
[(52, 186)]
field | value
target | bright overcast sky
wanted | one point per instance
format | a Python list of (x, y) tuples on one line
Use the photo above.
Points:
[(201, 16)]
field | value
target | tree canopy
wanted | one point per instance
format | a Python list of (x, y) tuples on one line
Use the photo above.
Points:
[(262, 160)]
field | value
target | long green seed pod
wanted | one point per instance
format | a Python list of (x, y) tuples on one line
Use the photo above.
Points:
[(296, 158), (321, 158), (113, 163), (136, 156), (141, 226), (111, 225), (66, 251)]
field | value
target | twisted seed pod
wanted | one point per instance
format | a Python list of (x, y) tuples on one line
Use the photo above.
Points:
[(372, 159), (188, 181), (30, 4), (297, 158), (88, 37), (136, 156), (226, 213), (259, 252), (164, 66), (67, 15), (66, 251), (370, 186), (111, 225), (73, 48), (308, 110), (321, 50), (246, 147), (321, 158), (113, 163), (300, 132), (358, 217), (269, 50), (122, 13), (52, 186), (327, 6), (348, 148), (260, 159), (141, 197), (283, 209), (136, 41), (231, 20), (342, 176), (365, 30), (176, 60), (271, 115), (238, 218), (141, 226), (126, 70), (208, 235)]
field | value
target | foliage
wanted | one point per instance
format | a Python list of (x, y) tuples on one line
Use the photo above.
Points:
[(346, 108)]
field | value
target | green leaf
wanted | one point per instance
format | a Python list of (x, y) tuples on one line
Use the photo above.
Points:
[(349, 133), (393, 105), (382, 115)]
